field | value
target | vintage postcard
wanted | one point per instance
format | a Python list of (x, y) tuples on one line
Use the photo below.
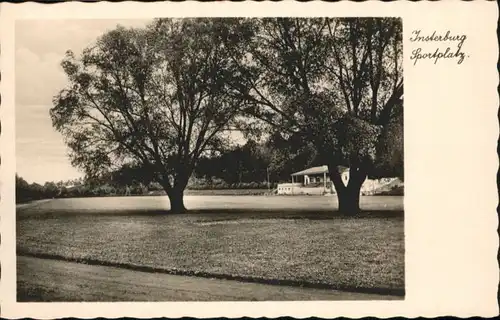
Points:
[(249, 159)]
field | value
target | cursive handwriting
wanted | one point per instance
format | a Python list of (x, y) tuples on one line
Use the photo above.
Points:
[(453, 51), (433, 37)]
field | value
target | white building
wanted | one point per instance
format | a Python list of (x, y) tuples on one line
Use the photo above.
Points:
[(316, 181)]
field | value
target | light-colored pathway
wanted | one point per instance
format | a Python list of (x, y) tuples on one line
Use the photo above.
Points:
[(55, 280)]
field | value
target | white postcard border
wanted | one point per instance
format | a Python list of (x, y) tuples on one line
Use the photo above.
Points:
[(450, 126)]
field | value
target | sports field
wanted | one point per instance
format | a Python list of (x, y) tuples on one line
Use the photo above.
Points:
[(294, 241)]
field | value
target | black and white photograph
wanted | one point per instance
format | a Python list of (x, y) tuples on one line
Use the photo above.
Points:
[(210, 159), (249, 160)]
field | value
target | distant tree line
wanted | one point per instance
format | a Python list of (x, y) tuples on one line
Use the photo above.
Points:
[(273, 161), (26, 192), (244, 167), (250, 166)]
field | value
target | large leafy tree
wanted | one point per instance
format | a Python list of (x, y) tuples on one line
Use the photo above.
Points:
[(336, 82), (156, 97)]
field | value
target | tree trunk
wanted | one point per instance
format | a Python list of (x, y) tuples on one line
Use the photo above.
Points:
[(176, 197), (175, 193), (349, 200), (348, 196)]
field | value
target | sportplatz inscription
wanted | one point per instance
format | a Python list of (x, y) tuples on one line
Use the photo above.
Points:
[(453, 51)]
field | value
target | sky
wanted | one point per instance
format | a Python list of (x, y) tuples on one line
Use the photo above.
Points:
[(40, 46)]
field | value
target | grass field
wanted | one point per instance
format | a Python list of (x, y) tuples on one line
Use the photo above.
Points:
[(295, 239), (204, 204)]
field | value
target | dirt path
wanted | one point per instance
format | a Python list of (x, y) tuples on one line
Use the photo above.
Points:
[(52, 280)]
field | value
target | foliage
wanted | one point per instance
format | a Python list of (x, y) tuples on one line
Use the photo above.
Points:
[(26, 192), (222, 185), (289, 155), (273, 159), (245, 163), (390, 149)]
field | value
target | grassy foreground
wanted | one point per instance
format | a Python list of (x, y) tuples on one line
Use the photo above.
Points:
[(342, 252)]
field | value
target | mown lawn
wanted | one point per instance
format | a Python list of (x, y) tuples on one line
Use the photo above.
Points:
[(363, 252)]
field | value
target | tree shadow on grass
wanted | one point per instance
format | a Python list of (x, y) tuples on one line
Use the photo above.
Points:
[(220, 213)]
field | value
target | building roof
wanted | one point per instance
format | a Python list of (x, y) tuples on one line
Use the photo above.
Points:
[(317, 170)]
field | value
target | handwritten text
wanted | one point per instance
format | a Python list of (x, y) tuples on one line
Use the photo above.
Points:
[(452, 50)]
